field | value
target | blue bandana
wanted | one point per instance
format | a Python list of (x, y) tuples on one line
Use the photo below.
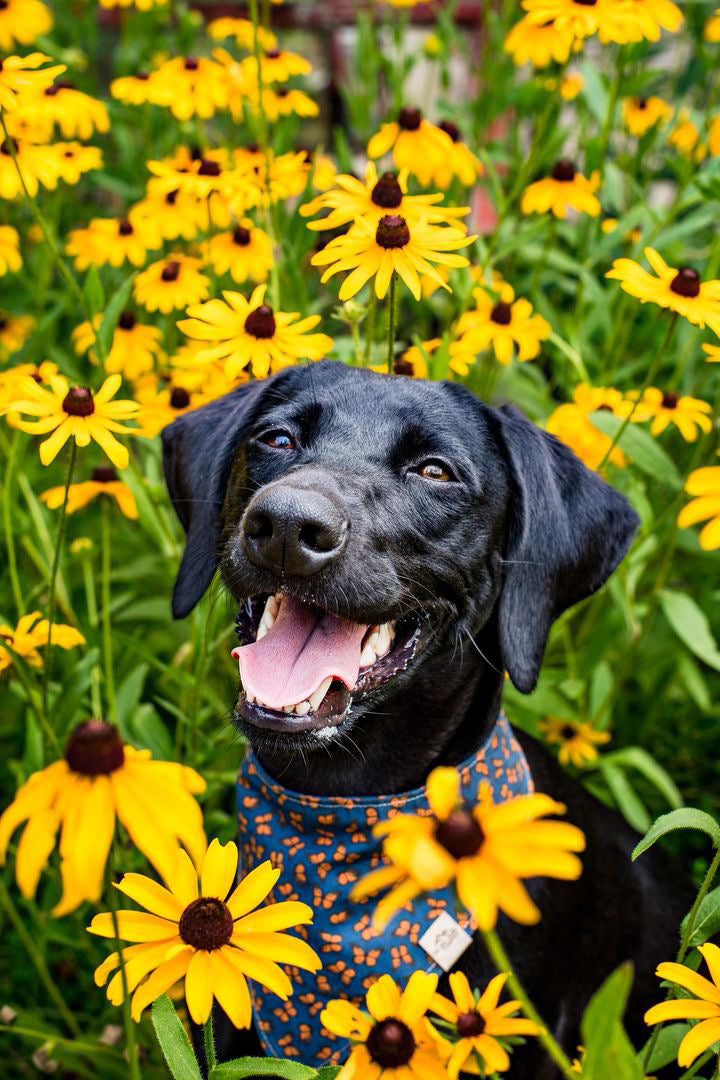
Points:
[(323, 846)]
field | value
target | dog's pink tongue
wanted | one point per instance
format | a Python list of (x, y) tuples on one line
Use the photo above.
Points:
[(301, 649)]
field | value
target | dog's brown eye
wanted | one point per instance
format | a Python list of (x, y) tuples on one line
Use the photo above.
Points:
[(279, 440), (434, 470)]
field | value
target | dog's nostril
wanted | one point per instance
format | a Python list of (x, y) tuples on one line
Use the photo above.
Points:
[(259, 526), (318, 537)]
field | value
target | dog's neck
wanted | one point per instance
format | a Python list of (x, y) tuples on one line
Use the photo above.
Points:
[(441, 717)]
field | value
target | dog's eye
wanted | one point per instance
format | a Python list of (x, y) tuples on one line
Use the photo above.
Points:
[(279, 440), (434, 470)]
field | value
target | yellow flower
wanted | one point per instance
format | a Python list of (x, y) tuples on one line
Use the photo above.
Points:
[(134, 345), (243, 32), (39, 166), (10, 257), (15, 330), (139, 89), (189, 86), (74, 159), (141, 5), (171, 283), (278, 65), (392, 1040), (680, 290), (99, 779), (30, 634), (163, 403), (712, 30), (640, 114), (207, 932), (12, 379), (245, 252), (76, 114), (704, 1005), (690, 415), (609, 225), (714, 137), (685, 138), (613, 20), (486, 849), (175, 215), (22, 22), (459, 162), (712, 351), (478, 1024), (705, 485), (111, 241), (20, 75), (104, 481), (200, 176), (578, 741), (413, 361), (282, 102), (324, 174), (286, 178), (75, 413), (395, 245), (414, 141), (503, 324), (564, 189), (539, 44), (248, 333), (654, 16), (571, 86), (351, 199), (571, 424)]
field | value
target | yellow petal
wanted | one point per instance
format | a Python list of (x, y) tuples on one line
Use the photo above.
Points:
[(280, 916), (150, 895), (697, 1041), (443, 791), (160, 981), (416, 996), (383, 998), (36, 843), (282, 948), (133, 926), (682, 1009), (219, 869), (231, 989), (266, 972), (253, 889), (198, 987), (689, 980)]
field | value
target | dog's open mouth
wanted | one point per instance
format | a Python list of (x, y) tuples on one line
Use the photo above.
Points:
[(301, 668)]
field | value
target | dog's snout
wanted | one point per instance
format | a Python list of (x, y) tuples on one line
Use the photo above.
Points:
[(294, 532)]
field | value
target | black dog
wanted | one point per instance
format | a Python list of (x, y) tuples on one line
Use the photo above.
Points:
[(467, 530)]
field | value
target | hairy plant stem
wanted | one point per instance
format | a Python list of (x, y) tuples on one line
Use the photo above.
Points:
[(38, 960), (128, 1023), (106, 620), (391, 323), (209, 1034), (53, 579), (7, 522), (502, 962)]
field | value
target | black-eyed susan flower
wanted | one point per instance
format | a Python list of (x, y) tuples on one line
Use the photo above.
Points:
[(162, 401), (75, 413), (15, 331), (613, 20), (414, 142), (654, 16), (393, 245), (350, 199), (111, 242), (73, 160), (565, 189), (663, 407), (141, 5), (39, 165), (641, 114), (285, 178), (10, 257), (572, 424), (276, 65), (139, 89), (171, 284), (506, 325), (681, 290), (243, 31), (285, 102), (539, 44), (211, 173), (392, 1040), (486, 850), (248, 333), (712, 352), (103, 481), (208, 933), (25, 74), (571, 86), (460, 163), (190, 86), (414, 361), (244, 252), (174, 215), (134, 345), (685, 137), (578, 741), (99, 780), (22, 22), (12, 379), (32, 633), (479, 1023), (76, 114), (704, 485), (324, 172), (704, 1005)]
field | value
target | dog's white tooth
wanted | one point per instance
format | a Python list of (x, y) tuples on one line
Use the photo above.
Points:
[(250, 698), (383, 642), (272, 606), (367, 657), (302, 708), (316, 698), (262, 631)]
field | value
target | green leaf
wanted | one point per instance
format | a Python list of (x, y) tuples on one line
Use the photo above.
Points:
[(251, 1067), (707, 919), (328, 1072), (642, 449), (594, 91), (116, 305), (634, 757), (686, 818), (626, 799), (93, 291), (691, 625), (667, 1045), (608, 1049), (174, 1041)]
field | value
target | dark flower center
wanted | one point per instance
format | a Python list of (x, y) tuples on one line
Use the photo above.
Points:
[(51, 91), (171, 271), (206, 924), (586, 3), (501, 313), (387, 191), (391, 1044), (241, 236), (3, 324), (79, 402), (641, 103), (470, 1024), (686, 282), (282, 92), (8, 145), (196, 154), (126, 321), (451, 129), (604, 408), (143, 76), (172, 196), (409, 119), (392, 231), (460, 834), (567, 732), (402, 367), (261, 322), (273, 54), (104, 474), (670, 400), (209, 168), (95, 749), (125, 228), (191, 64), (564, 170), (179, 398)]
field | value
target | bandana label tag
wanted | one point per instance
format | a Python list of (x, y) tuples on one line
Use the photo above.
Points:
[(445, 941)]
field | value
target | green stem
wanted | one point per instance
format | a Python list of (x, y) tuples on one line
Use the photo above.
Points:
[(391, 324), (77, 1046), (502, 963), (53, 580), (128, 1023), (106, 621), (692, 1071), (23, 676), (269, 219), (610, 115), (7, 522), (209, 1044), (370, 328), (38, 961)]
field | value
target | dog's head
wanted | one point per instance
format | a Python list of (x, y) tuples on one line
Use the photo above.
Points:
[(366, 525)]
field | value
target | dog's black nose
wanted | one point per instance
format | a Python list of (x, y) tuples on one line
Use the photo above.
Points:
[(293, 531)]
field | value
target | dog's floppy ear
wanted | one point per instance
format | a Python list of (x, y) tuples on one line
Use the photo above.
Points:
[(198, 449), (568, 532)]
